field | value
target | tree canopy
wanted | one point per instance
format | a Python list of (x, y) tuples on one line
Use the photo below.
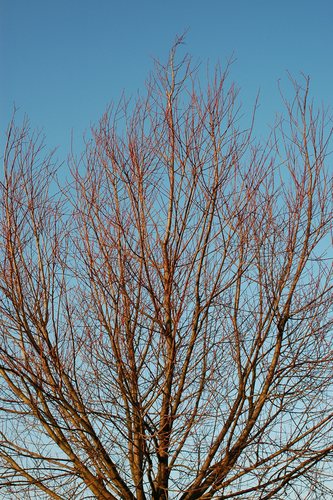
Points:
[(166, 314)]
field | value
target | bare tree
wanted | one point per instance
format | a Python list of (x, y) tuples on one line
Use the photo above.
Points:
[(166, 319)]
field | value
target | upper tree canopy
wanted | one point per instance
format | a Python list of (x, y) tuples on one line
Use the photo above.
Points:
[(166, 318)]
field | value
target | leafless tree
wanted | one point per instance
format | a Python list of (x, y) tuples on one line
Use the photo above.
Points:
[(166, 317)]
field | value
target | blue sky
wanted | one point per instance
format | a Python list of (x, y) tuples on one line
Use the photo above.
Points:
[(63, 61)]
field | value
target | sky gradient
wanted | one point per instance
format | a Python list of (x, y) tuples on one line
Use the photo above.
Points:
[(64, 61)]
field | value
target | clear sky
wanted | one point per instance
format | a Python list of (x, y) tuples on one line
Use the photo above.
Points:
[(63, 61)]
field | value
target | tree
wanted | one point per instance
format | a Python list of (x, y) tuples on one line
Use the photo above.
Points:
[(166, 317)]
